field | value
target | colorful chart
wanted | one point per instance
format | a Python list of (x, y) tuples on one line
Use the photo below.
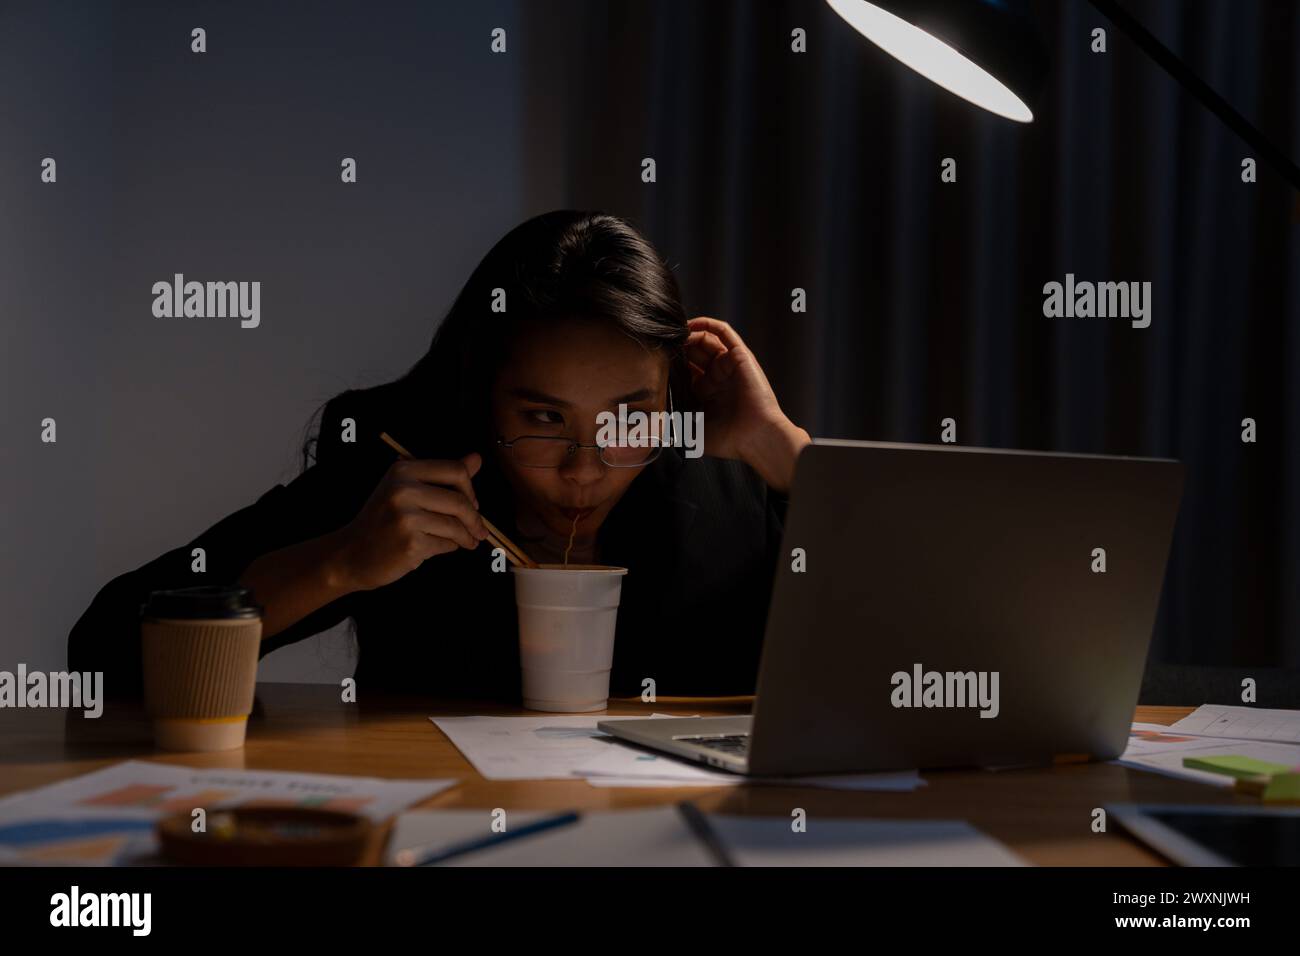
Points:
[(83, 841), (343, 804), (154, 797), (1155, 737), (109, 816)]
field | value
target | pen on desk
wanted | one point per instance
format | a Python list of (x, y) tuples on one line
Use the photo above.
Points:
[(425, 856), (699, 825)]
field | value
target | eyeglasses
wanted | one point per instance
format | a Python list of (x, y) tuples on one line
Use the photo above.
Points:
[(552, 451), (545, 451)]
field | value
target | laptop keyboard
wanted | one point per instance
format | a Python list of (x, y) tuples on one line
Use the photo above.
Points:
[(737, 744)]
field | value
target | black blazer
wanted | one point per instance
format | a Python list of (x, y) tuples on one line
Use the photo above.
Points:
[(699, 538)]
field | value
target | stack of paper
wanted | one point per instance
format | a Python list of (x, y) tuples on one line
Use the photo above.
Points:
[(1272, 736), (623, 766), (661, 837), (1242, 723), (770, 841), (655, 837), (565, 748), (108, 817)]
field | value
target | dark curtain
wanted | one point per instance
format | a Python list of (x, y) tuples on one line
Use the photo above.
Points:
[(821, 170)]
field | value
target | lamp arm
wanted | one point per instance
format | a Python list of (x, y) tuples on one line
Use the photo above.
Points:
[(1194, 85)]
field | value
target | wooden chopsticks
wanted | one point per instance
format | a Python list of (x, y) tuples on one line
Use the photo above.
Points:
[(514, 554), (512, 551)]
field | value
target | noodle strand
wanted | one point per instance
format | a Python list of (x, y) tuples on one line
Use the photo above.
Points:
[(572, 532)]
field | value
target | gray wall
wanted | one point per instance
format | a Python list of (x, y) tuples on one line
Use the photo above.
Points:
[(223, 166)]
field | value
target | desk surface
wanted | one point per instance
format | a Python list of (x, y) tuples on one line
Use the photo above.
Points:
[(1042, 814)]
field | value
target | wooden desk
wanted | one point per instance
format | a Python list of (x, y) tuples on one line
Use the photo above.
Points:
[(1042, 814)]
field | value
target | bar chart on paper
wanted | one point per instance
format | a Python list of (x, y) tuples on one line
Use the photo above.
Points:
[(173, 799), (107, 816)]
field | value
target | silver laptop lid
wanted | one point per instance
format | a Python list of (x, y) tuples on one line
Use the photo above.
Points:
[(944, 605)]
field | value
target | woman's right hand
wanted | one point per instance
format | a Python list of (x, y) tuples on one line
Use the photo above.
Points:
[(421, 507)]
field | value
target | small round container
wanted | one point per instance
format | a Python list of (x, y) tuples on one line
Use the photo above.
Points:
[(266, 836)]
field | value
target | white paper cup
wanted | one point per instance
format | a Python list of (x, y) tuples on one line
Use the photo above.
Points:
[(566, 634)]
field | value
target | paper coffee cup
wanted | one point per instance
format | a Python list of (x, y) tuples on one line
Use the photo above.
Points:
[(566, 634), (200, 651)]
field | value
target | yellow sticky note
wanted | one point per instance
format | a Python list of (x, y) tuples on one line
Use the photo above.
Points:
[(1283, 786), (1234, 765)]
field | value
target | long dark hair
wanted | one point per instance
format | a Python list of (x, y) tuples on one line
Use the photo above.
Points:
[(559, 265)]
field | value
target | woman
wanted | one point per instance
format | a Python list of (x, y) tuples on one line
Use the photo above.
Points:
[(570, 315)]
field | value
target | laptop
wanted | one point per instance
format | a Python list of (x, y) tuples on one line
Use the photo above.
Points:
[(942, 606)]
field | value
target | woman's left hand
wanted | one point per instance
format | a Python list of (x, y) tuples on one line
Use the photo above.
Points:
[(742, 418)]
